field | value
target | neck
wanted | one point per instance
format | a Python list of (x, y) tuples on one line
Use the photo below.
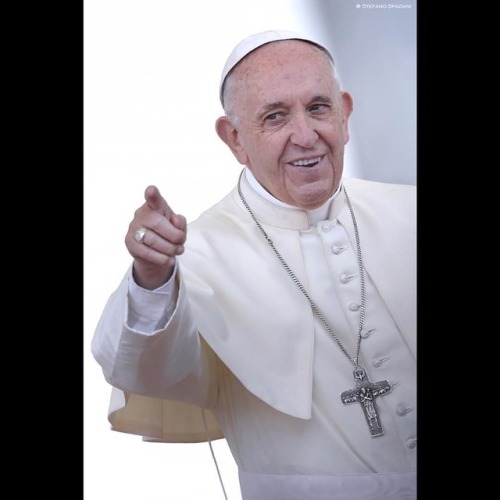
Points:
[(314, 216)]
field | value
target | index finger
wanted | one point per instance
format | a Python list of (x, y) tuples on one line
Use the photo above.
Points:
[(156, 202)]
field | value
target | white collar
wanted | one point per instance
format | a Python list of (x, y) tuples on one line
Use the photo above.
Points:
[(314, 216)]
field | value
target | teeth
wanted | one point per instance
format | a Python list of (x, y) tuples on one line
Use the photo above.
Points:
[(304, 163)]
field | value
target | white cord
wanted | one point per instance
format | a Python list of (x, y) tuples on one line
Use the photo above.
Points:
[(213, 454)]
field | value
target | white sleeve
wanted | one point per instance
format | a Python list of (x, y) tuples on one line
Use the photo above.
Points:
[(150, 310)]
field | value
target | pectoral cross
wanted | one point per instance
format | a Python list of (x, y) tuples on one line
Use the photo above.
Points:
[(365, 393)]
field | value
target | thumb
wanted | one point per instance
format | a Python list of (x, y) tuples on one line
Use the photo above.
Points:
[(179, 221)]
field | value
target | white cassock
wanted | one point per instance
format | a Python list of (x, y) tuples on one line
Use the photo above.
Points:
[(242, 342)]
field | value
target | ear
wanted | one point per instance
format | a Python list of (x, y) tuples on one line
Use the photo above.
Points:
[(347, 107), (230, 135)]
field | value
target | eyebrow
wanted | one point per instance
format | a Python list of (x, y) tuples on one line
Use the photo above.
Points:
[(271, 106), (322, 98), (281, 104)]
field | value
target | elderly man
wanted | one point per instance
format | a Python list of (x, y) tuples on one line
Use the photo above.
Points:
[(284, 317)]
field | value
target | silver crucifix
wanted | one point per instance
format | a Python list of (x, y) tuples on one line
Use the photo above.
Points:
[(365, 393)]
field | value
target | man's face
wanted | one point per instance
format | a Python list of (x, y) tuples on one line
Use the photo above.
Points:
[(292, 121)]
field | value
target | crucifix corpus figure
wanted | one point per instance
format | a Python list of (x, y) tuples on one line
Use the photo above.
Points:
[(365, 393)]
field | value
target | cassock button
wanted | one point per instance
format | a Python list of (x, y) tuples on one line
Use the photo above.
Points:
[(366, 333), (378, 362), (338, 249), (411, 443), (345, 278), (402, 411)]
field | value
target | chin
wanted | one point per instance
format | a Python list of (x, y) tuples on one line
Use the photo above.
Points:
[(313, 200)]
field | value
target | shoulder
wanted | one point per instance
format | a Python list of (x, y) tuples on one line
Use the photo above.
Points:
[(357, 184), (379, 193), (393, 204), (222, 218)]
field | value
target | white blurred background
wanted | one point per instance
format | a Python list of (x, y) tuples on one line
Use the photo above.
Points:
[(151, 75)]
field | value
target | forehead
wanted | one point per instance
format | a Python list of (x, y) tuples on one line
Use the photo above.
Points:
[(277, 55), (286, 66)]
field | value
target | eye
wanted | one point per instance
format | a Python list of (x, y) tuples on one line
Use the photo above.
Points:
[(318, 108), (273, 117)]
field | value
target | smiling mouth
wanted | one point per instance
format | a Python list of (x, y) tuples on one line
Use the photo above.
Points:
[(306, 163)]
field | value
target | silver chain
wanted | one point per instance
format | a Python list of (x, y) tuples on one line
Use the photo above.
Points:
[(354, 359)]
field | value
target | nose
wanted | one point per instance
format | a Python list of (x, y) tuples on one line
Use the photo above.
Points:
[(303, 131)]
